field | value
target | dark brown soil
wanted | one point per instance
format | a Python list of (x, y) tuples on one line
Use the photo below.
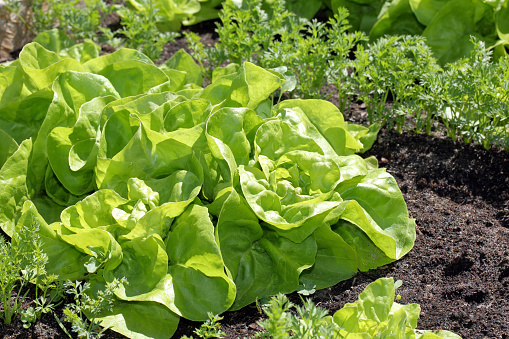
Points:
[(458, 270)]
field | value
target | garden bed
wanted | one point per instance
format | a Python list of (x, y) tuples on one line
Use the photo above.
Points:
[(458, 270)]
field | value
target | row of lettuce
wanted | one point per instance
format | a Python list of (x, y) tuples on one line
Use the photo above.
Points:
[(467, 99), (446, 24), (196, 199)]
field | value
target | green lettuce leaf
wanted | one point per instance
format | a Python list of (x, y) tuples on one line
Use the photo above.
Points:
[(328, 120), (376, 315), (377, 207), (448, 33), (197, 271), (260, 261), (151, 108), (11, 90), (144, 264), (13, 180), (54, 40), (102, 249), (335, 260), (57, 41), (7, 147), (142, 76), (128, 149), (42, 66), (22, 105), (425, 10), (74, 150), (501, 22), (140, 320), (71, 91), (252, 85), (103, 210), (398, 18), (189, 280), (187, 114), (230, 135), (181, 61)]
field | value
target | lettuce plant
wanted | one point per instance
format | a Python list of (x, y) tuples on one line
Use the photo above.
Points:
[(446, 24), (175, 13), (373, 315), (376, 315), (194, 199)]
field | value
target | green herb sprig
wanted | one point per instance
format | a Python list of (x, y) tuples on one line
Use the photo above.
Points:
[(86, 306), (22, 262), (141, 32)]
